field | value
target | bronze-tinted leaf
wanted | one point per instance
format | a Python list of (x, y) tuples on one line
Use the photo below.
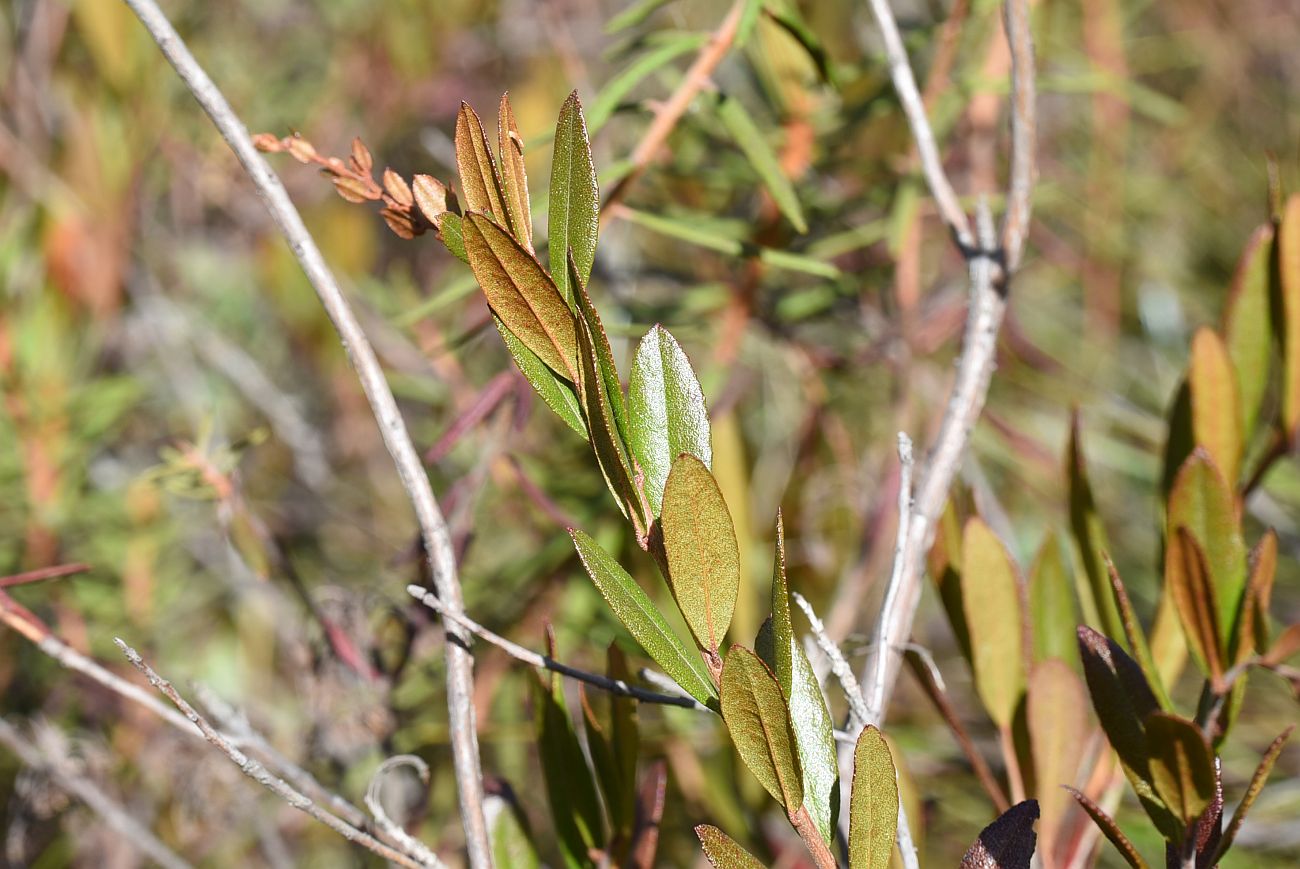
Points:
[(703, 557), (1056, 709), (1137, 641), (651, 799), (1287, 644), (1182, 764), (575, 196), (1251, 632), (514, 177), (522, 294), (1216, 406), (1288, 261), (1189, 582), (430, 197), (479, 182), (722, 851), (1111, 830), (873, 806), (1248, 325), (994, 616), (1008, 842), (758, 720)]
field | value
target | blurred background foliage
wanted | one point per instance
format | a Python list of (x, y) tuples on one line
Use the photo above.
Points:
[(178, 413)]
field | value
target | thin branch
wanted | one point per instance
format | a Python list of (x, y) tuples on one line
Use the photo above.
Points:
[(58, 770), (260, 774), (42, 574), (666, 118), (888, 645), (390, 827), (433, 528), (991, 268), (546, 662), (840, 668)]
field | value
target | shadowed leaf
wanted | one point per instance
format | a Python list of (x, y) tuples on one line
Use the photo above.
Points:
[(991, 600), (722, 852), (649, 815), (1008, 842), (667, 415), (514, 177), (1137, 641), (1182, 764), (512, 845), (944, 563), (1056, 709), (1051, 604), (574, 220), (1111, 830), (479, 182), (749, 138), (557, 393), (759, 723), (1251, 632), (642, 619), (1252, 792), (613, 747), (575, 807), (1189, 583), (1248, 326), (873, 806), (699, 541), (1090, 538), (522, 294), (1216, 406), (1288, 260)]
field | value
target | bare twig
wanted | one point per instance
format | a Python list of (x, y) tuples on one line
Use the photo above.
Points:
[(666, 118), (42, 574), (433, 528), (888, 645), (991, 267), (839, 667), (546, 662), (60, 772), (391, 828), (260, 774)]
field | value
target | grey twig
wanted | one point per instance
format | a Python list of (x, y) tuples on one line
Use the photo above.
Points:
[(840, 668), (545, 662), (260, 774), (991, 267), (391, 828), (60, 772), (433, 528)]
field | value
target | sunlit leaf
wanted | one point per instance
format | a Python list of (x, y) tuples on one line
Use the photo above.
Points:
[(992, 603), (749, 138), (873, 806), (642, 619), (1182, 764), (1216, 406), (1252, 792), (1189, 583), (1051, 604), (617, 87), (479, 182), (1056, 709), (512, 844), (1008, 842), (703, 558), (1288, 260), (1251, 633), (575, 197), (759, 723), (451, 231), (722, 852), (514, 177), (1248, 325), (1111, 830), (557, 393), (666, 411), (522, 294)]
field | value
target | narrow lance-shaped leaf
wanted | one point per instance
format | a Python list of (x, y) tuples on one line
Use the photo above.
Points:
[(1252, 629), (514, 177), (522, 294), (1090, 537), (604, 354), (1288, 261), (1182, 764), (1252, 792), (1056, 710), (479, 182), (613, 746), (700, 547), (1189, 583), (1137, 640), (1051, 604), (575, 196), (642, 619), (651, 799), (666, 411), (575, 807), (1248, 325), (1111, 830), (814, 731), (991, 598), (723, 852), (557, 393), (749, 138), (759, 723), (1216, 405), (1008, 842), (944, 562), (512, 843), (873, 806)]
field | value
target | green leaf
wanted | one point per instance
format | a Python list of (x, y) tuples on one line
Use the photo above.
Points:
[(521, 293), (759, 723), (1007, 843), (1201, 501), (1288, 285), (558, 394), (1137, 641), (575, 197), (1111, 830), (1051, 604), (1090, 539), (666, 412), (512, 844), (722, 851), (1056, 710), (604, 354), (642, 619), (479, 182), (814, 731), (700, 547), (622, 83), (614, 746), (749, 138), (1216, 407), (575, 807), (991, 600), (1182, 764), (1248, 325), (1252, 791), (514, 177), (633, 15), (1188, 581), (452, 235), (873, 807), (944, 562)]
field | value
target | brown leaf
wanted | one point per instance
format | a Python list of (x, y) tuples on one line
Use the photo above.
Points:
[(268, 143), (1190, 584), (514, 177), (1287, 645), (430, 197), (1216, 405), (400, 223), (479, 180), (396, 187), (1111, 830), (362, 162), (1008, 842), (1252, 627), (300, 149), (353, 190)]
